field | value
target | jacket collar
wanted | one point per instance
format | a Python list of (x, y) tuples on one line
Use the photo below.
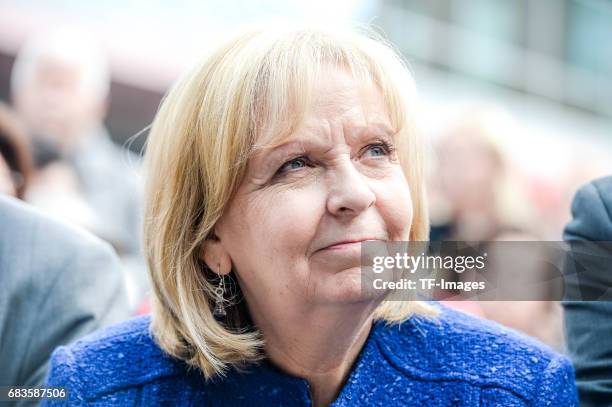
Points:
[(265, 381)]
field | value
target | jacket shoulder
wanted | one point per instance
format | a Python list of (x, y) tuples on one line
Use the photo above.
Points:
[(604, 189), (604, 185), (591, 212), (53, 242), (118, 357), (455, 346)]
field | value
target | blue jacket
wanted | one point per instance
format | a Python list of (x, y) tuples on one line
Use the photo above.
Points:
[(452, 360)]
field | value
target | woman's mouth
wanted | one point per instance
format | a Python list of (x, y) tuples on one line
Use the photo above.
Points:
[(348, 244)]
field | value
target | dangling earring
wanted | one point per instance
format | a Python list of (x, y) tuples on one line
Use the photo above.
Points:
[(219, 292)]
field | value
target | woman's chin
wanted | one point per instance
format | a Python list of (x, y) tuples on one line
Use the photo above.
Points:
[(345, 287)]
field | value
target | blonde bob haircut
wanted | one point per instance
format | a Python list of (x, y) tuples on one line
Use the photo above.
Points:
[(249, 93)]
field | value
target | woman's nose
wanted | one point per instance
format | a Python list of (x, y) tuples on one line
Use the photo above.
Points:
[(350, 193)]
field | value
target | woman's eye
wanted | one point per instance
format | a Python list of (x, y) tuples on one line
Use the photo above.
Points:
[(291, 165), (379, 149)]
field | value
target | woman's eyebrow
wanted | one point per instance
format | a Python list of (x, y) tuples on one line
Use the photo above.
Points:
[(380, 130), (285, 148), (266, 156)]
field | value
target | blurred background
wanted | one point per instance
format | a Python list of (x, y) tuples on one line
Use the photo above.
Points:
[(516, 104)]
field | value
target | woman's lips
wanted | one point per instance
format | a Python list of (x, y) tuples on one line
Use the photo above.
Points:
[(343, 246), (342, 255), (347, 245)]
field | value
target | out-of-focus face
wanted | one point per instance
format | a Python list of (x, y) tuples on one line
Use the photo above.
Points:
[(467, 169), (6, 181), (55, 104), (334, 180)]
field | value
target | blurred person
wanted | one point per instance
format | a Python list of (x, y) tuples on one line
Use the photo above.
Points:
[(60, 85), (57, 283), (540, 319), (588, 326), (268, 165), (15, 155), (553, 197), (481, 200), (484, 203), (54, 188)]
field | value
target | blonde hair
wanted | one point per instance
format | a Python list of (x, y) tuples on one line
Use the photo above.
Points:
[(247, 94)]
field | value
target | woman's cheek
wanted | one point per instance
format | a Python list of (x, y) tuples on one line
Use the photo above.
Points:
[(291, 216), (395, 205)]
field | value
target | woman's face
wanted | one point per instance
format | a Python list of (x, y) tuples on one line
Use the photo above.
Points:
[(468, 172), (336, 179)]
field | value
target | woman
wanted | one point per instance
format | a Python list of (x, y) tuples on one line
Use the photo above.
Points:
[(268, 165)]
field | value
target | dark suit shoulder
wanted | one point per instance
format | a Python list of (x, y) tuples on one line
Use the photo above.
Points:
[(604, 189), (592, 212)]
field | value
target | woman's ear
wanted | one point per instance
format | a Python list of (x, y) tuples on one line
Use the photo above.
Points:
[(215, 256)]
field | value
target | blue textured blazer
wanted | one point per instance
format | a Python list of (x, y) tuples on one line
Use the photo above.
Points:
[(452, 360)]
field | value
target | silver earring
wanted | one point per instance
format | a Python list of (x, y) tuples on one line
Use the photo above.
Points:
[(219, 292)]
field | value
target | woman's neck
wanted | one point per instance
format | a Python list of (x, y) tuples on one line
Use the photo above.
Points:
[(321, 348)]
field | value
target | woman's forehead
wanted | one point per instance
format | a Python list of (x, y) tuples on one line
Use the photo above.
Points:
[(320, 129), (356, 108)]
